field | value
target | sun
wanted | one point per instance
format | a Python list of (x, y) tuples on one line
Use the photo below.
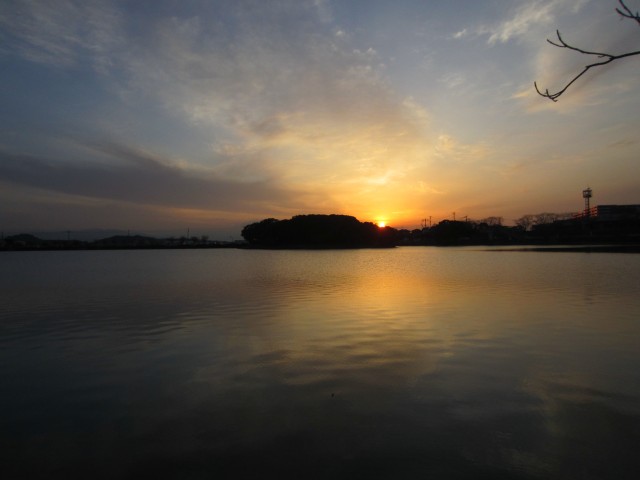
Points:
[(382, 224)]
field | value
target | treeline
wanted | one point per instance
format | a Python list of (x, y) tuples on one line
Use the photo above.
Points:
[(318, 231), (526, 222), (489, 231), (535, 229)]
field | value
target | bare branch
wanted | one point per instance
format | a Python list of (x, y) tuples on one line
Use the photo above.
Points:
[(627, 12), (607, 57)]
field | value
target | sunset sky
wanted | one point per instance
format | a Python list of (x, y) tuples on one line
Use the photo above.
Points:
[(156, 116)]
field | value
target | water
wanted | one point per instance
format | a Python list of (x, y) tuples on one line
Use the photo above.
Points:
[(403, 363)]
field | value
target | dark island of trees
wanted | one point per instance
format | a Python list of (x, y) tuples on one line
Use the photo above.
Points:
[(319, 231)]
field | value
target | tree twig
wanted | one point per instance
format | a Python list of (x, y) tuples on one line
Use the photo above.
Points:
[(627, 12), (607, 57)]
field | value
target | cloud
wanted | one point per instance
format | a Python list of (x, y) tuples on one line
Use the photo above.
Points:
[(324, 10), (252, 64), (462, 33), (280, 92), (139, 178), (61, 33), (299, 103), (528, 16), (453, 80), (452, 150), (286, 114)]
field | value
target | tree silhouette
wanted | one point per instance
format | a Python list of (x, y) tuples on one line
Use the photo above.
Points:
[(318, 231), (606, 58)]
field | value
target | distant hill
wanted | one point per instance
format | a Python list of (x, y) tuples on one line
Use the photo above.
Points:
[(120, 241), (82, 235), (23, 239)]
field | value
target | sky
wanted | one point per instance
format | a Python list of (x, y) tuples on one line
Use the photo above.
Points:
[(168, 116)]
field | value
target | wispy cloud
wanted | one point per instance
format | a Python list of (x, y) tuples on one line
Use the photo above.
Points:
[(453, 80), (285, 96), (297, 101), (528, 16), (324, 10), (61, 33), (462, 33)]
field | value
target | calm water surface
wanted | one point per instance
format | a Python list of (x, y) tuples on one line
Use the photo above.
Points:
[(404, 363)]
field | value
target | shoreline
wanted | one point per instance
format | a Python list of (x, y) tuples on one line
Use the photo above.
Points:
[(619, 248), (591, 248)]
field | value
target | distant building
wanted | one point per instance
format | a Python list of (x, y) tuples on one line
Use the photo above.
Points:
[(611, 213)]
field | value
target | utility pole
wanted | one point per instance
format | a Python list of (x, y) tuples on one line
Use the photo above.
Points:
[(423, 223), (454, 216)]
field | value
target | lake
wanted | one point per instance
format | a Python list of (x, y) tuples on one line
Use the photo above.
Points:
[(414, 362)]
